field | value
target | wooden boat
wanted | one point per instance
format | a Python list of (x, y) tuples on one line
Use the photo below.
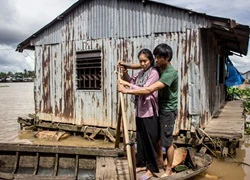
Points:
[(27, 161), (193, 164)]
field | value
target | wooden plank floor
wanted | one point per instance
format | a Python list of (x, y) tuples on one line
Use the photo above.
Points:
[(228, 122)]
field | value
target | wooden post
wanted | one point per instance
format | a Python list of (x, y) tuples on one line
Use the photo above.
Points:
[(118, 126), (127, 142), (133, 159), (126, 136)]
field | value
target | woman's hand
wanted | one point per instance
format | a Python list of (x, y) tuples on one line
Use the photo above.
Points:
[(124, 83), (123, 66), (121, 88)]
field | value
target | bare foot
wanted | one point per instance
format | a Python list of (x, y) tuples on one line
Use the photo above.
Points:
[(168, 171), (148, 173)]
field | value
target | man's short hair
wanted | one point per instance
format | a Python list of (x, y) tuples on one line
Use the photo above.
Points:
[(163, 50)]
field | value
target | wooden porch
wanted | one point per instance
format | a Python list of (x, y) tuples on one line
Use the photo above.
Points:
[(228, 123)]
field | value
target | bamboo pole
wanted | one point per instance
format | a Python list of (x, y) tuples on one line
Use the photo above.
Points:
[(118, 126), (126, 137), (127, 142)]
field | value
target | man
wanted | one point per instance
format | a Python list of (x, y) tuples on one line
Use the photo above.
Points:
[(167, 86)]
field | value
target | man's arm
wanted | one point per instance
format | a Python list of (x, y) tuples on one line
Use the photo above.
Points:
[(142, 91)]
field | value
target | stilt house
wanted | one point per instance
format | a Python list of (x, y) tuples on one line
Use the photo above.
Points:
[(76, 55)]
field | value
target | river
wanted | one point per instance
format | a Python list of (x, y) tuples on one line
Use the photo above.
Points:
[(17, 100)]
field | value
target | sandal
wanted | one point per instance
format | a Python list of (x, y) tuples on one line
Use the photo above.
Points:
[(145, 177), (165, 174), (139, 169)]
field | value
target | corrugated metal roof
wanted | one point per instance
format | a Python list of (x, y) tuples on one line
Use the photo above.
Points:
[(152, 17)]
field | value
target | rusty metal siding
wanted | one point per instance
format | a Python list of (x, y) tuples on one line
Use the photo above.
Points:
[(54, 90), (38, 80), (99, 108)]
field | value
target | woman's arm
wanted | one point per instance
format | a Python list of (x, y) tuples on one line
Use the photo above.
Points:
[(130, 66)]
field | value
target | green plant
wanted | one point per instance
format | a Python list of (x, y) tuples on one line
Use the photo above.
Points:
[(239, 93), (247, 107)]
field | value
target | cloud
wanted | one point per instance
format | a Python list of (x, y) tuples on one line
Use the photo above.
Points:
[(238, 9), (8, 23), (13, 61), (241, 63), (19, 19)]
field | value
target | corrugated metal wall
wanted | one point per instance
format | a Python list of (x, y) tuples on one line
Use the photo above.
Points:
[(119, 19), (132, 26)]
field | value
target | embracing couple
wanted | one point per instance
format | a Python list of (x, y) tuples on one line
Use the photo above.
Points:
[(156, 98)]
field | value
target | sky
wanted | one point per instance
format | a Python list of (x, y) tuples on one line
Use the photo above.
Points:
[(19, 19)]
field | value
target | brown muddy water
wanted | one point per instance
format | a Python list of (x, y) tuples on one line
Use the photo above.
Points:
[(17, 100)]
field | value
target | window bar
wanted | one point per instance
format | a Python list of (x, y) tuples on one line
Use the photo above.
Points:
[(95, 80), (89, 74), (83, 80)]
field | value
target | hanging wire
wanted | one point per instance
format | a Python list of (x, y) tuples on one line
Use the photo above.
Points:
[(29, 55), (23, 51)]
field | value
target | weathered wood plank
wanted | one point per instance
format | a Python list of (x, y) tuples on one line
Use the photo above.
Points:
[(228, 123), (210, 133), (39, 177), (6, 175), (122, 169), (90, 151), (224, 129), (224, 136), (109, 135), (95, 133), (105, 168)]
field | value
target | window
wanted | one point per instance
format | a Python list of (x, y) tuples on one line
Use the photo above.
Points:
[(88, 68), (220, 76)]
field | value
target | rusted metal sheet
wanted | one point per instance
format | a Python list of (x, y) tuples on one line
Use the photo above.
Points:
[(99, 108)]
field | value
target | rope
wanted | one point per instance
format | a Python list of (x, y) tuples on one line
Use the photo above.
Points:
[(129, 144), (238, 161)]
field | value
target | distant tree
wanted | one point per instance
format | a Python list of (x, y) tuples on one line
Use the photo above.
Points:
[(25, 72), (18, 74), (3, 74), (31, 74)]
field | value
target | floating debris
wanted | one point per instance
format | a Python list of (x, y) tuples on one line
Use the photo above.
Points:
[(52, 135)]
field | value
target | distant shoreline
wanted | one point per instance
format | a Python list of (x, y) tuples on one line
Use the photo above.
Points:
[(3, 86), (16, 81)]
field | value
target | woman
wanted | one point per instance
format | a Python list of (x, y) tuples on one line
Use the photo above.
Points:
[(146, 111)]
